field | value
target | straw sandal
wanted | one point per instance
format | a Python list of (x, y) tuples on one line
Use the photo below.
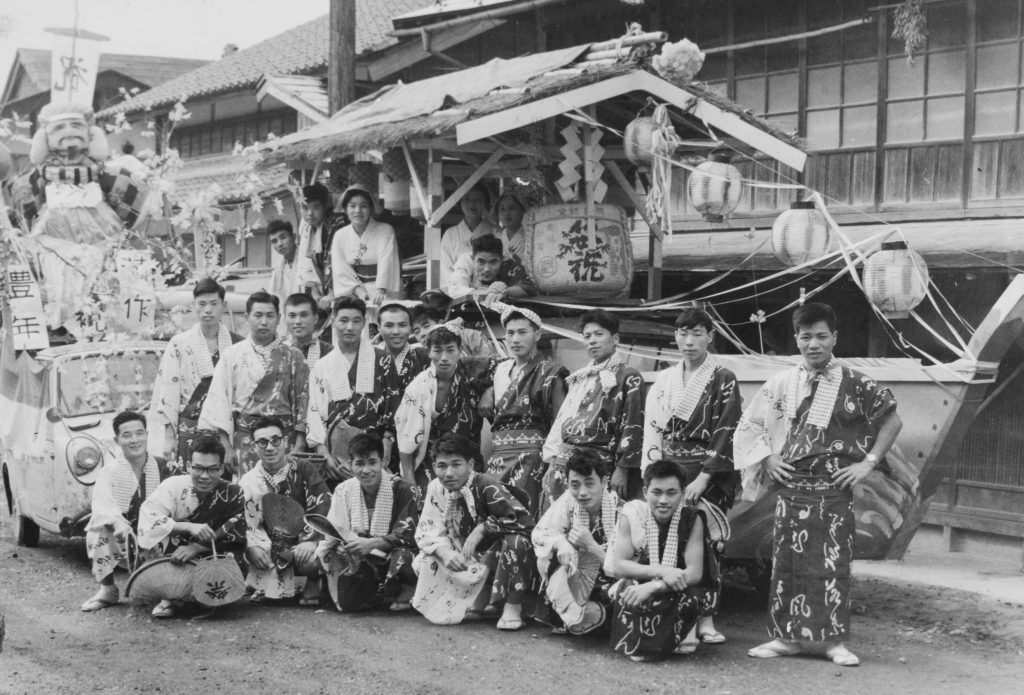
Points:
[(164, 609), (108, 595), (841, 656), (770, 650)]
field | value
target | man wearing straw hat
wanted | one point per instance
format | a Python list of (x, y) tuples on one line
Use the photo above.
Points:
[(187, 514), (119, 491), (351, 390), (528, 393), (273, 567), (691, 414), (466, 514), (813, 432)]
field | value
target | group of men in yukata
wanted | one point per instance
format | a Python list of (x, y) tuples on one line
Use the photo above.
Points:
[(606, 503)]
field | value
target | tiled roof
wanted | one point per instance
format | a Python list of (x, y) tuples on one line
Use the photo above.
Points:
[(300, 50), (305, 93), (229, 171), (149, 70)]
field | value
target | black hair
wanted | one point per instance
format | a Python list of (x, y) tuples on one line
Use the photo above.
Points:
[(278, 225), (262, 297), (427, 312), (451, 444), (481, 188), (127, 147), (695, 318), (268, 421), (347, 301), (126, 416), (664, 469), (301, 299), (316, 193), (812, 313), (208, 443), (488, 243), (395, 306), (441, 337), (208, 286), (585, 462), (602, 318), (364, 444)]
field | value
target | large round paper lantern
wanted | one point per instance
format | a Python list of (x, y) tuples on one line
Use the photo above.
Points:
[(715, 188), (895, 279), (800, 234), (638, 140)]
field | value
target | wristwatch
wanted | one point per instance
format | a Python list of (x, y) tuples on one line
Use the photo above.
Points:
[(872, 459)]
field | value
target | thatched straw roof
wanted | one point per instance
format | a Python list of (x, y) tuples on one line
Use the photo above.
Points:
[(371, 123)]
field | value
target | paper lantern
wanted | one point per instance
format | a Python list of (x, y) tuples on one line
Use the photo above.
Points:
[(895, 279), (800, 234), (715, 188), (638, 140)]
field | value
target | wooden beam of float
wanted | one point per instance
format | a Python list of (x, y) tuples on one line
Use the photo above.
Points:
[(437, 215), (638, 81), (655, 242)]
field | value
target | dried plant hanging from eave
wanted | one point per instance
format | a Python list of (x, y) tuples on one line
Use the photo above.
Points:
[(910, 26)]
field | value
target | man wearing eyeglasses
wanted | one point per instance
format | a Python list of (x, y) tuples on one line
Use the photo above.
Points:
[(276, 562), (187, 514), (258, 377)]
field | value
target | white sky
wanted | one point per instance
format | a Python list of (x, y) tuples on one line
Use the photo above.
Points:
[(178, 28)]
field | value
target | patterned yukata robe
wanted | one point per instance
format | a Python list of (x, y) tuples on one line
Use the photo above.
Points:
[(301, 481), (809, 599), (507, 526), (464, 281), (418, 425), (247, 385), (701, 443), (405, 366), (176, 499), (312, 355), (603, 410), (523, 414), (333, 406), (658, 627), (117, 496), (553, 607), (315, 248), (379, 580), (182, 383)]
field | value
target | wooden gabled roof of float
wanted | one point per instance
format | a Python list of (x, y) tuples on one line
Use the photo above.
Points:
[(502, 95)]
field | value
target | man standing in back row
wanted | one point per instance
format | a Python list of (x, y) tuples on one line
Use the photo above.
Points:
[(260, 376), (813, 432), (691, 414), (183, 379)]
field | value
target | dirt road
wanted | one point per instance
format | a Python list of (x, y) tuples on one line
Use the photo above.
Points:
[(912, 639)]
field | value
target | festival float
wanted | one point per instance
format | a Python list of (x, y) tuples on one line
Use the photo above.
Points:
[(603, 140), (78, 299)]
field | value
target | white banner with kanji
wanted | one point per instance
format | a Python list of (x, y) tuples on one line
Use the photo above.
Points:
[(73, 66)]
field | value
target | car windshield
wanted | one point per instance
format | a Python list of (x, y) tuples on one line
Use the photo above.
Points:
[(106, 383)]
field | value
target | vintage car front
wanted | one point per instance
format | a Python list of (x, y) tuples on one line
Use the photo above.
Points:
[(56, 441)]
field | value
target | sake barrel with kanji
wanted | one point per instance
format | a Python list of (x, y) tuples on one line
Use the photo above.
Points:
[(564, 259)]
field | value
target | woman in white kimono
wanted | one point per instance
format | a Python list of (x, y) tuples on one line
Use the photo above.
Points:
[(364, 254)]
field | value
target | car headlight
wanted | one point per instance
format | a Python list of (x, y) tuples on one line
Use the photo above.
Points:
[(84, 455)]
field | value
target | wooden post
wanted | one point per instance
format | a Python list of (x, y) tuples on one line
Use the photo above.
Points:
[(432, 235), (654, 251), (341, 63)]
